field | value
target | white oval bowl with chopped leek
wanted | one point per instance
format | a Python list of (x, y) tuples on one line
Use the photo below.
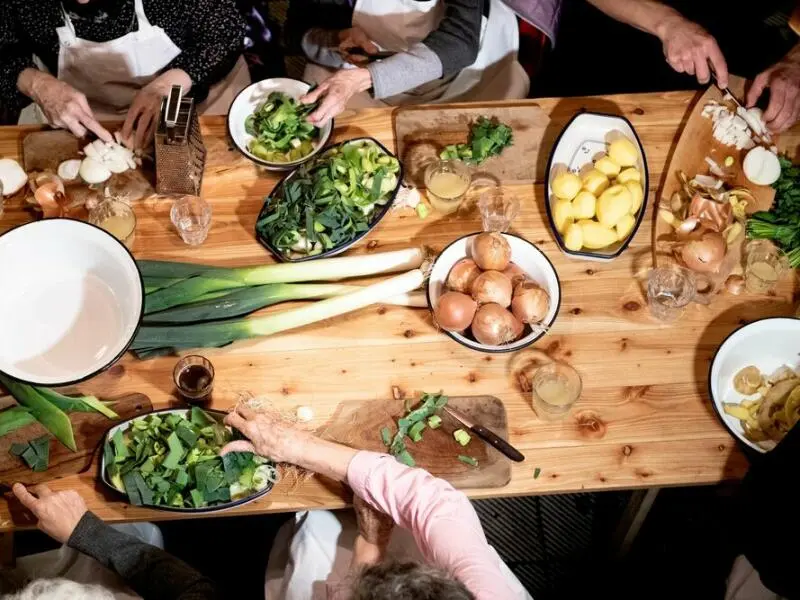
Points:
[(168, 460), (248, 102)]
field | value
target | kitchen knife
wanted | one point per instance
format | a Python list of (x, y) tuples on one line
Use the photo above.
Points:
[(486, 435)]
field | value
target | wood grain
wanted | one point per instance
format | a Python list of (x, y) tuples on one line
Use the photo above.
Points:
[(644, 418)]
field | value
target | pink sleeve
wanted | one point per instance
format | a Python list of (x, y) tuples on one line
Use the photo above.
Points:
[(441, 519)]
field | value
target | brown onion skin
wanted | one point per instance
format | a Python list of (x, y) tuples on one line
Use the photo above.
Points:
[(463, 275), (715, 245), (455, 311), (491, 251), (492, 287), (530, 303), (508, 327), (515, 273)]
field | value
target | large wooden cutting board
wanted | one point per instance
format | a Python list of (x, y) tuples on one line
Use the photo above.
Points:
[(358, 424), (423, 131), (89, 429)]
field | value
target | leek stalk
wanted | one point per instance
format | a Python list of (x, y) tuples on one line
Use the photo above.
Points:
[(53, 418)]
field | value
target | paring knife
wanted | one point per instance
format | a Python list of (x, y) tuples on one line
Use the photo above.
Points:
[(486, 435)]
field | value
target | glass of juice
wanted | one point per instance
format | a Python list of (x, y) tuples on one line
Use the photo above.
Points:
[(194, 378), (764, 265), (446, 182), (556, 388), (117, 218)]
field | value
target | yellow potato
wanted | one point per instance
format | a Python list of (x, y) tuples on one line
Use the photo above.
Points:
[(573, 237), (637, 195), (624, 226), (583, 205), (595, 182), (623, 152), (562, 212), (596, 236), (566, 185), (607, 166), (629, 174), (613, 204)]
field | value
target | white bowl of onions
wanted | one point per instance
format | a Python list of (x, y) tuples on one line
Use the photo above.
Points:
[(494, 292)]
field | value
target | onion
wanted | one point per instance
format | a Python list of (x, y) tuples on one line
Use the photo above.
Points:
[(492, 287), (12, 177), (491, 251), (514, 273), (48, 192), (493, 325), (705, 254), (761, 166), (455, 311), (462, 275), (735, 284), (94, 172), (530, 303), (69, 169)]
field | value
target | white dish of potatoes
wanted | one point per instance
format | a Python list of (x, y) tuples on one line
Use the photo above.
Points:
[(596, 193)]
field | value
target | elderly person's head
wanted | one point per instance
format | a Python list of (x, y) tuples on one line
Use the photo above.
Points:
[(407, 581), (58, 589)]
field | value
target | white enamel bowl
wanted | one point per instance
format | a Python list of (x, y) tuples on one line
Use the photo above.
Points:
[(528, 257), (246, 103), (71, 302), (767, 344)]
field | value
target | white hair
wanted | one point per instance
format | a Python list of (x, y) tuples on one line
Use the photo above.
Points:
[(61, 589)]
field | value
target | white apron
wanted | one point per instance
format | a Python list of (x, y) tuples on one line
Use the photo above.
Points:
[(111, 73)]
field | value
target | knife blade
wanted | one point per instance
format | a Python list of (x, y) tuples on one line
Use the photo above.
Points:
[(486, 435)]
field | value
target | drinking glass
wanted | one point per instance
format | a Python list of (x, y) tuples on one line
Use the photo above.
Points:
[(194, 377), (117, 218), (497, 209), (191, 216), (669, 291), (556, 388), (449, 202), (764, 265)]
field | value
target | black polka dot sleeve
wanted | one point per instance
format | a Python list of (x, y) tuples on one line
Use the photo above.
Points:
[(14, 58)]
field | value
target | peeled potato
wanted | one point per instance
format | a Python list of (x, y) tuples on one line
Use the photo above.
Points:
[(566, 185), (637, 195), (623, 152), (583, 205), (562, 212), (613, 204), (607, 166), (629, 174), (573, 237), (624, 226), (596, 236), (595, 182)]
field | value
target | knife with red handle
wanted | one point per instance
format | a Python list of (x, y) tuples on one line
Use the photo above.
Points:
[(486, 435)]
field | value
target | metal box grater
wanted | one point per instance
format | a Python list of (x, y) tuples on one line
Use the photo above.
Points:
[(180, 152)]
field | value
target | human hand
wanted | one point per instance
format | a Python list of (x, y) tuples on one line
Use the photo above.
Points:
[(58, 512), (355, 38), (337, 91), (783, 81), (269, 436), (62, 104), (689, 48), (142, 118)]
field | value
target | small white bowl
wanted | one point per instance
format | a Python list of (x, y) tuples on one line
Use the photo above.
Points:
[(584, 138), (72, 300), (246, 103), (528, 257), (767, 344)]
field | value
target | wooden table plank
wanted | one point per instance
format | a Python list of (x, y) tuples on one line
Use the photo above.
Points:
[(644, 418)]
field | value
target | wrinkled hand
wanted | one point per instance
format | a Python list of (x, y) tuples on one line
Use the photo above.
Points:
[(783, 81), (65, 107), (689, 48), (337, 91), (268, 436), (355, 38), (142, 118), (58, 512)]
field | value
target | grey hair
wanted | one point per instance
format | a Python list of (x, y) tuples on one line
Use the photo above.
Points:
[(407, 581), (58, 589)]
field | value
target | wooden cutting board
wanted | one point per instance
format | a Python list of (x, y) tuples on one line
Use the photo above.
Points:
[(358, 424), (422, 132), (89, 429)]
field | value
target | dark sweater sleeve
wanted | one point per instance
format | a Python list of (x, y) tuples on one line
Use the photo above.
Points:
[(17, 56), (149, 571), (457, 39), (215, 44)]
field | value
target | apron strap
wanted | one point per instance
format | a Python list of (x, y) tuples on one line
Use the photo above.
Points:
[(141, 18), (66, 33)]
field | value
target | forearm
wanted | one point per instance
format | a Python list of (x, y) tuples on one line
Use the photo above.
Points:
[(322, 457), (457, 38), (405, 71), (650, 16)]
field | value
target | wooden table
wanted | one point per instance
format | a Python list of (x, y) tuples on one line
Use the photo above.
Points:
[(644, 418)]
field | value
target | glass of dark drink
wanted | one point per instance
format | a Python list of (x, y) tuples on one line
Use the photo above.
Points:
[(194, 378)]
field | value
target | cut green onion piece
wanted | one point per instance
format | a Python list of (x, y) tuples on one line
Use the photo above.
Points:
[(461, 436), (468, 460), (434, 421)]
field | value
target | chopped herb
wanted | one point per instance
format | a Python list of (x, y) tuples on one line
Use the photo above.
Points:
[(428, 406), (468, 460), (487, 138), (386, 436), (536, 472), (415, 432), (462, 437), (422, 210), (406, 458)]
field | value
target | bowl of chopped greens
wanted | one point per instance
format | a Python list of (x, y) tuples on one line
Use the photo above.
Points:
[(267, 124), (169, 460), (328, 204)]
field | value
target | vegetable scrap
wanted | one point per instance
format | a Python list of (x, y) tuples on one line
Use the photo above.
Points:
[(281, 131), (487, 138), (468, 460), (536, 472), (35, 453), (412, 421), (462, 437), (736, 126)]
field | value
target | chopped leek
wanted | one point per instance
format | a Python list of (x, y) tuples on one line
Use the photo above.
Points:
[(462, 437), (468, 460), (35, 453)]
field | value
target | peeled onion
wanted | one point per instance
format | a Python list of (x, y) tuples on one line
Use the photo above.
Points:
[(493, 325), (761, 166), (12, 177), (455, 311), (92, 171), (69, 169), (514, 273), (462, 275), (492, 287), (530, 303), (704, 254), (491, 251)]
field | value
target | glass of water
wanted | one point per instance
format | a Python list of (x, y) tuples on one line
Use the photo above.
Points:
[(669, 291), (497, 209), (191, 216)]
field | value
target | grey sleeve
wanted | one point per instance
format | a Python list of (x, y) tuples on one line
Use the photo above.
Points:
[(321, 45), (457, 39), (404, 71), (151, 572)]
